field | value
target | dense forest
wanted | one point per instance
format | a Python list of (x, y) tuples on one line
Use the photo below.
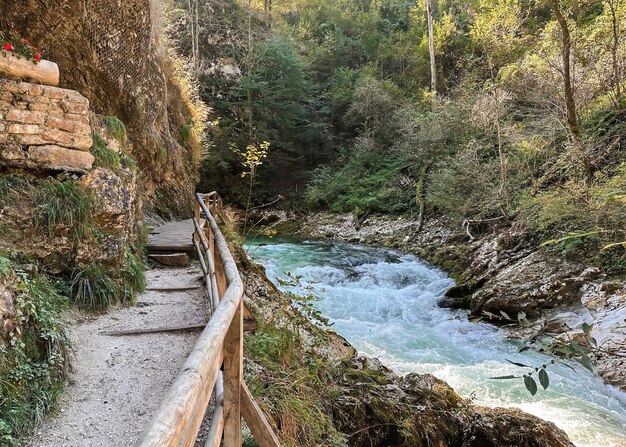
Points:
[(509, 112)]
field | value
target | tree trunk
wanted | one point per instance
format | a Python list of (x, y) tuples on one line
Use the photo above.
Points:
[(570, 102), (617, 72), (431, 47), (249, 64), (268, 13), (420, 192)]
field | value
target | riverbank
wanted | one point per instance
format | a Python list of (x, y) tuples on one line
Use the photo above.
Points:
[(496, 270)]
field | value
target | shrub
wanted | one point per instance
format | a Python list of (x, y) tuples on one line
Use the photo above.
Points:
[(34, 362), (367, 181), (465, 186)]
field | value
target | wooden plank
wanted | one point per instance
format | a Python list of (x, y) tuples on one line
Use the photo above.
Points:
[(45, 72), (171, 248), (172, 289), (187, 328), (248, 326), (257, 422), (233, 376)]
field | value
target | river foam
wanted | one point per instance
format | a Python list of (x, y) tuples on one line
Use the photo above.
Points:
[(385, 303)]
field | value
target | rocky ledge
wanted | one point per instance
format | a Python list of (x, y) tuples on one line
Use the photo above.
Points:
[(499, 271)]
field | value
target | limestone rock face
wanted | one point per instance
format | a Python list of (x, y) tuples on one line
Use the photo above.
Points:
[(44, 128), (529, 285), (58, 158), (115, 223), (8, 312), (116, 213)]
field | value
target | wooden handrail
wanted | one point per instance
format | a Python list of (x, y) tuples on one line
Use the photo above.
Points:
[(178, 419)]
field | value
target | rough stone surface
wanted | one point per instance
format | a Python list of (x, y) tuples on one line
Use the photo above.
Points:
[(54, 122), (59, 158), (8, 312), (116, 223), (117, 213)]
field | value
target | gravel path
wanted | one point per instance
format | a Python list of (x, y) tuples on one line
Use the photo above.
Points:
[(117, 383)]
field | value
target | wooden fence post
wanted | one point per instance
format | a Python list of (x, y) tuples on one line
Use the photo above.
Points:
[(233, 377)]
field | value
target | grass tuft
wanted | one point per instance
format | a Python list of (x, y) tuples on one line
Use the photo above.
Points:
[(134, 278), (94, 288), (115, 127), (105, 157), (63, 203), (12, 185)]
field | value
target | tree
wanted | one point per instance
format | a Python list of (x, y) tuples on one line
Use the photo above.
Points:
[(431, 46), (499, 32), (566, 51)]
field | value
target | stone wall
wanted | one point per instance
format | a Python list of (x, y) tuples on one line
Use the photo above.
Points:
[(44, 128)]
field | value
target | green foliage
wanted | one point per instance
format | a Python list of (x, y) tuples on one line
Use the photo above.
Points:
[(115, 127), (367, 181), (34, 361), (94, 288), (5, 266), (105, 157), (133, 276), (11, 185), (127, 161), (582, 221), (62, 203), (341, 88)]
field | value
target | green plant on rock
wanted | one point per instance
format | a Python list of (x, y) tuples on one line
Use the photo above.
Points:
[(115, 127), (12, 185), (63, 203), (33, 362), (105, 157), (127, 161)]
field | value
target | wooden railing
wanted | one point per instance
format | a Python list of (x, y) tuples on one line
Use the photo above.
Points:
[(215, 365)]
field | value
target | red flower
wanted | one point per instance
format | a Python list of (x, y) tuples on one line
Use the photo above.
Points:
[(37, 57), (8, 47)]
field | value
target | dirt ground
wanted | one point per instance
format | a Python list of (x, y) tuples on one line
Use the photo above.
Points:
[(117, 382)]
